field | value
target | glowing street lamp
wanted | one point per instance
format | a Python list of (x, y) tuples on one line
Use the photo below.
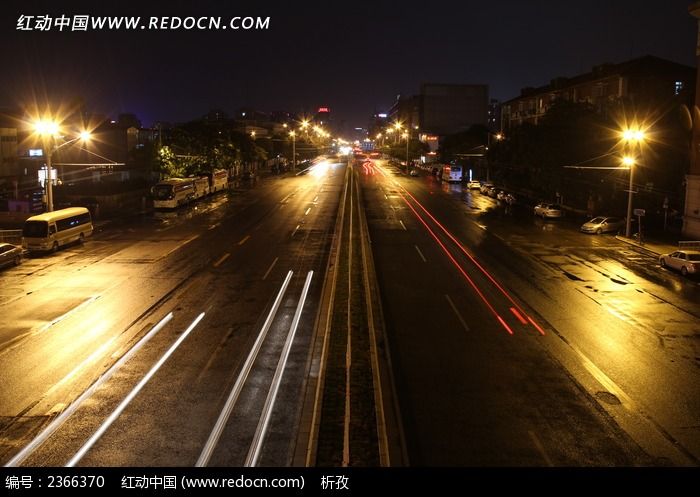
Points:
[(294, 149), (498, 136), (629, 162), (631, 135), (48, 130), (406, 136)]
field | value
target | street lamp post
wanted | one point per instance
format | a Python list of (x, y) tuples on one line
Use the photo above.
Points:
[(631, 136), (499, 137), (629, 162), (294, 150), (48, 130), (407, 136)]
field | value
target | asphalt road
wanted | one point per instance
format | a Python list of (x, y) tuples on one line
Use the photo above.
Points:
[(522, 342), (69, 317)]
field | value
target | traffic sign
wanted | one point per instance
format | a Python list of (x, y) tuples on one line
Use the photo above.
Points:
[(639, 212)]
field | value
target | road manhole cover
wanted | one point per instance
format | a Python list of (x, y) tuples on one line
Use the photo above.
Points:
[(608, 398)]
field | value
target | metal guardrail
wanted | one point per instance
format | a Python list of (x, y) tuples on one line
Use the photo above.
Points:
[(689, 245), (11, 236)]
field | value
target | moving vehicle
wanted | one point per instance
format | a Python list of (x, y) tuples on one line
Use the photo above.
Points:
[(10, 254), (172, 193), (600, 225), (474, 185), (50, 230), (685, 261), (546, 210), (451, 174)]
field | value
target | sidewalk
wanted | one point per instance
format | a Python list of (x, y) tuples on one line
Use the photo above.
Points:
[(653, 246)]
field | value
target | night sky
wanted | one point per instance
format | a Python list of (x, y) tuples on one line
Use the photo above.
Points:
[(354, 59)]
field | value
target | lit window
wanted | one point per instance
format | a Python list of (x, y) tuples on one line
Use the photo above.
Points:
[(678, 87)]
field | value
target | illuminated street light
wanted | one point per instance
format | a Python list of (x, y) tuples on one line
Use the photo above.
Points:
[(498, 136), (406, 135), (631, 135), (48, 131), (294, 149)]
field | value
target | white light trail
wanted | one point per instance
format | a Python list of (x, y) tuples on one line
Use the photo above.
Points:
[(115, 414), (242, 376)]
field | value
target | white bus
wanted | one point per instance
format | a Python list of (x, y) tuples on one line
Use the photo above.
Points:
[(201, 186), (50, 230), (172, 193), (451, 173), (218, 180)]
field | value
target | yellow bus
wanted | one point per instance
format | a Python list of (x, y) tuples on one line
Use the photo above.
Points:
[(50, 230)]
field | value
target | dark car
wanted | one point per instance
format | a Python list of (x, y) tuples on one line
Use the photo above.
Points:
[(10, 254)]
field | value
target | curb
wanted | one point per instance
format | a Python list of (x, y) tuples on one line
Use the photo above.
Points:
[(636, 246)]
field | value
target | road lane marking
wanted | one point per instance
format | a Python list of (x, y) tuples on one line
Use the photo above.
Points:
[(245, 239), (420, 254), (177, 248), (261, 431), (56, 423), (270, 268), (540, 448), (124, 403), (315, 199), (403, 225), (307, 211), (213, 226), (459, 316), (222, 259), (218, 429), (295, 229)]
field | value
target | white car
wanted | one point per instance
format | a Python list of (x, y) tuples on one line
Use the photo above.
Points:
[(10, 254), (414, 172), (548, 210), (474, 185), (685, 261)]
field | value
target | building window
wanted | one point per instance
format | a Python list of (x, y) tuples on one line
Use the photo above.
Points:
[(677, 87)]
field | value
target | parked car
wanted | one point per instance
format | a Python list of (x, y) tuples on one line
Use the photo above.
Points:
[(414, 172), (685, 261), (510, 199), (485, 187), (474, 185), (600, 225), (10, 254), (501, 195), (546, 210), (492, 192)]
